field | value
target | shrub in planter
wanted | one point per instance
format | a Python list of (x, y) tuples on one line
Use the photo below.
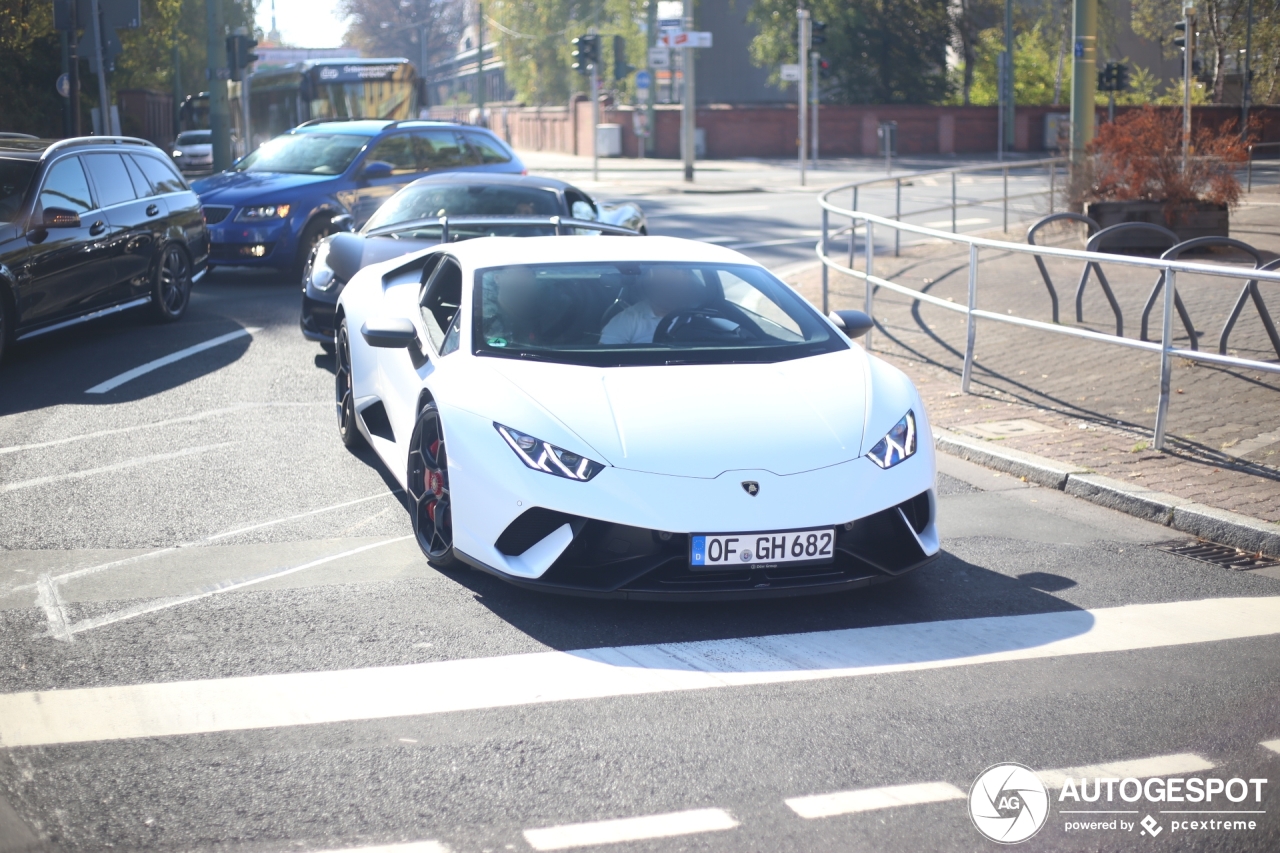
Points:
[(1137, 174)]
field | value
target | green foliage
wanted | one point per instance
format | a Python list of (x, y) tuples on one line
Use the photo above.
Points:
[(1035, 67), (30, 58), (881, 51), (536, 44)]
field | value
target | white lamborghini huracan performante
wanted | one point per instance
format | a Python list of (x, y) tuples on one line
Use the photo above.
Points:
[(638, 418)]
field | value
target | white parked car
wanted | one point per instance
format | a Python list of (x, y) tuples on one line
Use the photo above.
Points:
[(634, 418), (193, 151)]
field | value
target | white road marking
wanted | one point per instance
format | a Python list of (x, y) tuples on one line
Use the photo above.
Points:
[(1273, 745), (629, 829), (408, 847), (789, 241), (116, 466), (215, 589), (870, 799), (946, 223), (54, 610), (289, 699), (1141, 768), (198, 416), (102, 567), (128, 375), (722, 239)]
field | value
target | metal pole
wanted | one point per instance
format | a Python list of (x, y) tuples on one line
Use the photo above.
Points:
[(64, 42), (219, 109), (651, 37), (104, 102), (690, 108), (1249, 186), (1000, 96), (897, 215), (1084, 81), (1166, 366), (825, 226), (244, 107), (813, 62), (887, 135), (1009, 89), (595, 121), (480, 64), (1006, 198), (803, 47), (970, 320), (870, 239), (1188, 58), (1053, 179), (1248, 49), (74, 78), (953, 202)]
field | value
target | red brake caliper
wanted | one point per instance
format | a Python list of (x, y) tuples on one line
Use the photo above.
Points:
[(433, 481)]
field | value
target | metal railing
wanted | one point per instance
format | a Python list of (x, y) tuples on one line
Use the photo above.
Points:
[(1169, 269), (1051, 162), (1249, 167)]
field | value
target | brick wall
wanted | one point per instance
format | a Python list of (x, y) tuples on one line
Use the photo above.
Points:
[(770, 131)]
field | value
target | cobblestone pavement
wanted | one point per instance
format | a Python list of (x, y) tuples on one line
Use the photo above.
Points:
[(1083, 402)]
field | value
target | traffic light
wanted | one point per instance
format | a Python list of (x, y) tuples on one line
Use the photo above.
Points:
[(1114, 77), (240, 54), (817, 33), (1180, 41), (824, 69), (1122, 77), (586, 53), (620, 67)]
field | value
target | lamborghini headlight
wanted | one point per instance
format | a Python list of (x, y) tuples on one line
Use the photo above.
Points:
[(322, 277), (543, 456), (898, 445)]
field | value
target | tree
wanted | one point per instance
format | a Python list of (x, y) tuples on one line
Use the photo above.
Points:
[(394, 27), (1035, 67), (536, 43), (881, 51)]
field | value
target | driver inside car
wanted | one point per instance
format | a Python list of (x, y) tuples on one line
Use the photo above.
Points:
[(667, 290)]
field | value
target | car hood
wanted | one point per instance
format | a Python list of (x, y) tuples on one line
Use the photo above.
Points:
[(239, 187), (197, 150), (703, 420)]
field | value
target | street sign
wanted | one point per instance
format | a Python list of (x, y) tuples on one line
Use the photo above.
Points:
[(643, 80), (670, 24), (642, 96), (659, 57), (792, 72), (640, 123), (683, 38), (64, 86)]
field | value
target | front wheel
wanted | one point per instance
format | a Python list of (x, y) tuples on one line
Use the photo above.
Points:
[(343, 397), (429, 495), (171, 292)]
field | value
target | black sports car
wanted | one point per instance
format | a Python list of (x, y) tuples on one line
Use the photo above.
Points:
[(446, 208)]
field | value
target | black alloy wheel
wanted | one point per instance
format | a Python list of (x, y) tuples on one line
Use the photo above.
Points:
[(342, 391), (307, 244), (431, 502), (172, 290)]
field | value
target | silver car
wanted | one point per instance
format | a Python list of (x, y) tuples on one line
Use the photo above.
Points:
[(193, 151)]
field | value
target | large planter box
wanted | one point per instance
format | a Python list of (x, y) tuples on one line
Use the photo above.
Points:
[(1187, 220)]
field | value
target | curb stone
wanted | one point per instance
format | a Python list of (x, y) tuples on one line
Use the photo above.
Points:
[(1181, 514)]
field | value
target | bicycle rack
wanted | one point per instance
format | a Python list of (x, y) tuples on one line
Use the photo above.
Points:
[(1252, 290), (1094, 242), (1031, 239)]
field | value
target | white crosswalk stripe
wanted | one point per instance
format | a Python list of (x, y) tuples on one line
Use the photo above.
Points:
[(870, 799), (629, 829), (231, 704), (1273, 745)]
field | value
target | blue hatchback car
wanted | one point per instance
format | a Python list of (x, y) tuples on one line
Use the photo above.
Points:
[(274, 206)]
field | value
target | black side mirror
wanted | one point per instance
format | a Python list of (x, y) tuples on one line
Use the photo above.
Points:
[(376, 169), (854, 324), (396, 333), (60, 217)]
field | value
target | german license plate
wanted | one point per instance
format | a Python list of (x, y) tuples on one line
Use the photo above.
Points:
[(762, 550)]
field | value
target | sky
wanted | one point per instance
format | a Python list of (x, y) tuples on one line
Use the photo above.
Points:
[(304, 23)]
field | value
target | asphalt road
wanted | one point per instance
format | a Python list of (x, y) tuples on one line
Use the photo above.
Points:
[(212, 589)]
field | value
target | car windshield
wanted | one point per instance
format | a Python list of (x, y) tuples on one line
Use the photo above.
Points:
[(305, 154), (15, 177), (195, 137), (644, 313), (427, 201)]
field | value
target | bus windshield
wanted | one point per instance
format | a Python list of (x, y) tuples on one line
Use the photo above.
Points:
[(305, 154)]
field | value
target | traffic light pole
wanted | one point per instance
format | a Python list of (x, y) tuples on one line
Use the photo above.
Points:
[(595, 119), (689, 109), (813, 77), (1188, 65), (803, 30), (480, 63), (105, 125), (1084, 82), (1248, 72), (651, 40), (219, 109)]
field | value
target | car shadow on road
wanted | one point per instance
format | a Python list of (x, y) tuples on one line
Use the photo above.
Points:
[(947, 589)]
